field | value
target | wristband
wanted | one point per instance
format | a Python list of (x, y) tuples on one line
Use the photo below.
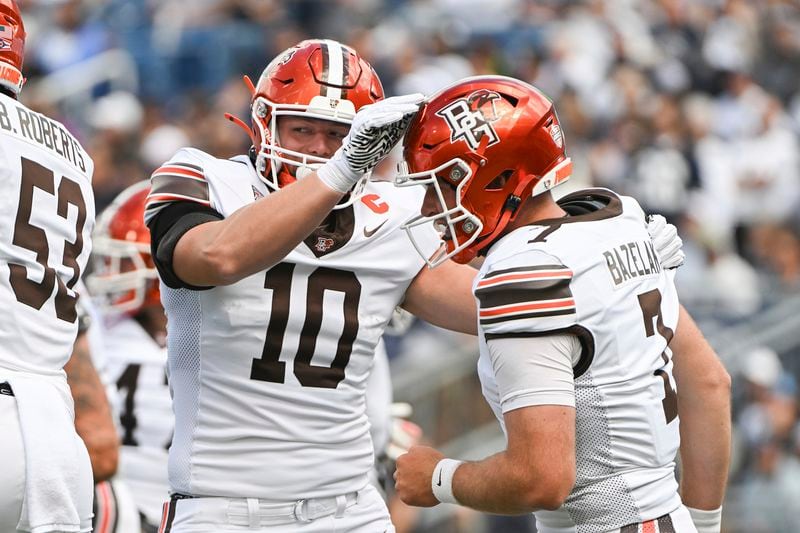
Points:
[(442, 480), (337, 175), (706, 521)]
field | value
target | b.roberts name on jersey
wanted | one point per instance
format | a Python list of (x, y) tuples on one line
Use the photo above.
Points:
[(43, 131), (632, 260)]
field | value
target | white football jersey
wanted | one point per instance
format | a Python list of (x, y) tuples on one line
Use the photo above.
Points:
[(379, 399), (46, 220), (596, 276), (137, 367), (269, 374)]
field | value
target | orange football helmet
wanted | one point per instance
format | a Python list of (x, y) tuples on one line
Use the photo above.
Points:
[(496, 140), (317, 78), (124, 278), (12, 46)]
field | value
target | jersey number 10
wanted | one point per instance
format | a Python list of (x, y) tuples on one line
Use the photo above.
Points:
[(269, 367)]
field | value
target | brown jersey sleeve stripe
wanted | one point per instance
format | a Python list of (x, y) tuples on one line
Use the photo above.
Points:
[(544, 313), (508, 310), (524, 291), (516, 270), (177, 185), (181, 169)]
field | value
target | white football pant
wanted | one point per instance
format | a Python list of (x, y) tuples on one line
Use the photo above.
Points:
[(12, 471), (361, 512)]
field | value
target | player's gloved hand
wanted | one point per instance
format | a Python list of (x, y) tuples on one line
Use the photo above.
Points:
[(668, 245), (375, 130)]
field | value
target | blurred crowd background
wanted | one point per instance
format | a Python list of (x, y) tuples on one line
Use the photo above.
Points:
[(691, 106)]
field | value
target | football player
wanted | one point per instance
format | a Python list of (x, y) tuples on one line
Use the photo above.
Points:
[(47, 218), (280, 270), (124, 283), (586, 357)]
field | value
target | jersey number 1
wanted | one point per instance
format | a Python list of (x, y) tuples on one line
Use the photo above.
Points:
[(269, 367), (33, 238), (650, 302)]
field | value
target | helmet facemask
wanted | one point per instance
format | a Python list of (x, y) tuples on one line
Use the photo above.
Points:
[(458, 227), (273, 160), (121, 277)]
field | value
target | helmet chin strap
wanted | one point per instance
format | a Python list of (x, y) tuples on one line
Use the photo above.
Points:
[(510, 209)]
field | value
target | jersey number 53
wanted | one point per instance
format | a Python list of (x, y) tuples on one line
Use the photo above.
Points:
[(33, 238)]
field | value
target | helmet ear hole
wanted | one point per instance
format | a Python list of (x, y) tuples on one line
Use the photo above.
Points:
[(499, 182), (510, 99)]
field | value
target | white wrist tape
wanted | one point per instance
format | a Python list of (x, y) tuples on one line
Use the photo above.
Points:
[(337, 175), (442, 480), (706, 521)]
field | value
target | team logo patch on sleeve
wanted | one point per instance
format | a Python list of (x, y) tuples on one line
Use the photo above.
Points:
[(525, 292)]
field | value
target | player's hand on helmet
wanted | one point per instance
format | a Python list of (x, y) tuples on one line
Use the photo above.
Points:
[(668, 245), (376, 129)]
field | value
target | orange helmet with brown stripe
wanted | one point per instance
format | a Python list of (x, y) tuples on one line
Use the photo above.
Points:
[(124, 277), (12, 46), (317, 78), (495, 140)]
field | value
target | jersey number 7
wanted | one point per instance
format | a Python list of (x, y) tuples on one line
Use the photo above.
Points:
[(650, 302)]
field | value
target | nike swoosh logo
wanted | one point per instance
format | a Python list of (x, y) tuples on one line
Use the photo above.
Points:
[(439, 483), (370, 233)]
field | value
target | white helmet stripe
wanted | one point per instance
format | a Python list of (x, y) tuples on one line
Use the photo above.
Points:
[(335, 62)]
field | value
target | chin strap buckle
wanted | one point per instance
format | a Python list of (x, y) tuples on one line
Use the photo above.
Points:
[(512, 203)]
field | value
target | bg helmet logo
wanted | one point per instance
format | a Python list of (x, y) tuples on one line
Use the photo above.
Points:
[(275, 63), (470, 118)]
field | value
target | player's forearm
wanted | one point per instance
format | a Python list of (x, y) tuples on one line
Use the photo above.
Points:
[(93, 420), (705, 454), (501, 485), (102, 445), (443, 297), (255, 237), (704, 409)]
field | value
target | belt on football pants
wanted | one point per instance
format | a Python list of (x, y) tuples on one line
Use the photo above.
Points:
[(5, 389), (253, 512)]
